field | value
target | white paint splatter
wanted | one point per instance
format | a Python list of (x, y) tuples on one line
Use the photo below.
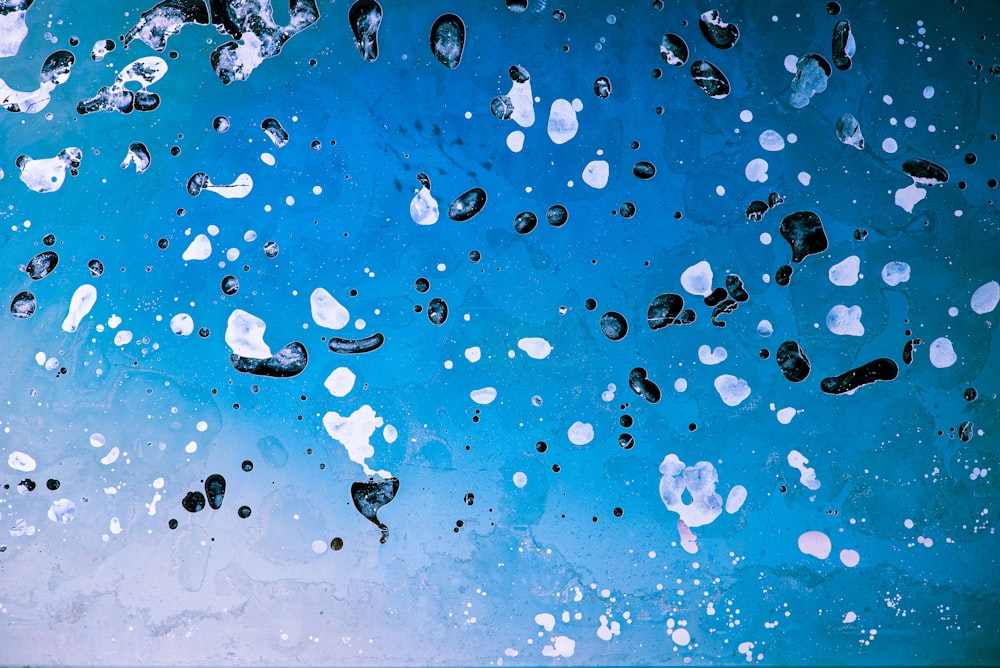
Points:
[(580, 433)]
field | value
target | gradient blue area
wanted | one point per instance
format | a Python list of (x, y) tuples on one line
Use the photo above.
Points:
[(594, 537)]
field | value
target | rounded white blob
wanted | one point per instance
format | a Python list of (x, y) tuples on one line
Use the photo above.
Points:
[(942, 353), (746, 115), (515, 141), (845, 321), (62, 511), (734, 500), (97, 440), (596, 173), (21, 461), (484, 395), (319, 546), (845, 272), (199, 249), (815, 544), (928, 92), (535, 347), (182, 324), (390, 434), (771, 141), (327, 311), (732, 390), (709, 356), (580, 433), (765, 328), (785, 415), (765, 238), (473, 354), (697, 279), (340, 382), (267, 159), (681, 636), (791, 63), (756, 170), (849, 558), (889, 145), (520, 479), (805, 178), (985, 298)]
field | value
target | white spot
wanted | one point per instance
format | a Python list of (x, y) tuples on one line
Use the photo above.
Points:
[(111, 457), (708, 356), (845, 321), (894, 273), (765, 238), (580, 433), (765, 328), (97, 440), (756, 170), (785, 415), (267, 159), (815, 544), (734, 501), (845, 272), (354, 433), (62, 511), (563, 124), (327, 311), (80, 303), (21, 461), (849, 558), (731, 389), (680, 385), (484, 395), (791, 63), (200, 248), (770, 141), (807, 476), (523, 103), (515, 141), (424, 208), (546, 620), (805, 178), (319, 546), (238, 189), (889, 145), (390, 434), (697, 279), (849, 617), (595, 174), (473, 354), (182, 324), (942, 353), (520, 479), (561, 646), (340, 382), (245, 335), (535, 347), (681, 636), (720, 190), (123, 338), (697, 483), (928, 92), (887, 99), (115, 526), (746, 115), (985, 298), (906, 198)]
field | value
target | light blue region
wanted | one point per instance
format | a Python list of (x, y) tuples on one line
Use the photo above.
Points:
[(902, 483)]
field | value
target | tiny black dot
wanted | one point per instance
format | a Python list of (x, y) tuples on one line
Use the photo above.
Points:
[(172, 524)]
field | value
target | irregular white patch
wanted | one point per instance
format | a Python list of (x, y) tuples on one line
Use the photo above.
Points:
[(845, 321), (473, 354), (21, 461), (563, 124), (340, 382), (515, 141), (200, 248), (850, 617), (699, 482), (182, 324), (849, 558), (689, 542), (595, 174), (48, 174), (708, 355), (327, 311), (80, 303), (484, 395), (942, 353), (561, 646), (791, 63), (731, 389), (985, 298), (734, 501), (112, 456), (13, 30), (580, 433), (756, 170), (523, 102), (815, 544), (115, 526), (606, 632), (771, 141), (845, 272), (536, 347), (906, 198), (807, 476), (894, 273), (354, 433), (546, 620), (238, 189), (424, 208), (62, 511), (245, 335), (785, 415), (697, 279)]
